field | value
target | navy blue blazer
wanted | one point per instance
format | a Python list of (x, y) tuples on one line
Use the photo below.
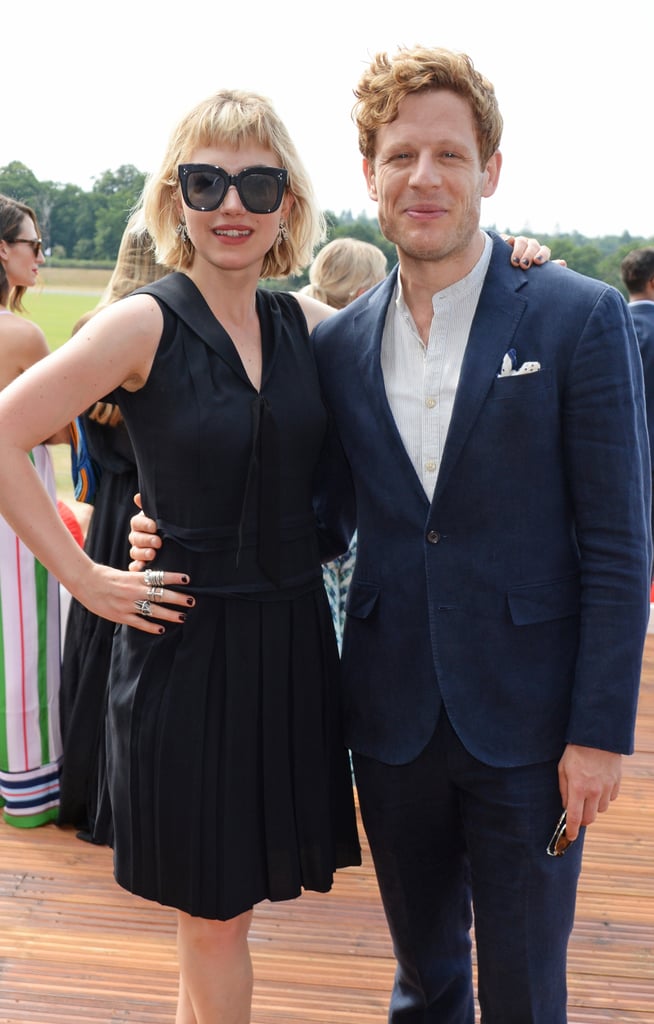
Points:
[(643, 317), (520, 595)]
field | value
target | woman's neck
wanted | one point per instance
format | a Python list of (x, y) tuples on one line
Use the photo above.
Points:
[(230, 295)]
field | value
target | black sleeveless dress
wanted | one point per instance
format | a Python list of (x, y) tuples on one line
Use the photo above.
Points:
[(228, 777)]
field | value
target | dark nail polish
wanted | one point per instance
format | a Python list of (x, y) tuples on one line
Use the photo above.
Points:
[(182, 617), (190, 601), (185, 579)]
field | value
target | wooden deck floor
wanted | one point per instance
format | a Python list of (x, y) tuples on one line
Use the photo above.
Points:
[(76, 949)]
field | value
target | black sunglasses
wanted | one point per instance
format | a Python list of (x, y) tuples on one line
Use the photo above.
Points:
[(36, 243), (260, 189)]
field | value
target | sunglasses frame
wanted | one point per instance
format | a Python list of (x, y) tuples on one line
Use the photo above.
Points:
[(36, 243), (559, 842), (279, 174)]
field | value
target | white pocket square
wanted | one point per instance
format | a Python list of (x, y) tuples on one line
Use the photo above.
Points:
[(526, 368), (510, 368)]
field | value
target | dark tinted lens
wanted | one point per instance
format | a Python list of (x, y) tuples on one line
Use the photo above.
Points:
[(205, 191), (261, 192)]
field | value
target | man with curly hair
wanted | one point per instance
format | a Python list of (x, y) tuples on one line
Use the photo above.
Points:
[(496, 466)]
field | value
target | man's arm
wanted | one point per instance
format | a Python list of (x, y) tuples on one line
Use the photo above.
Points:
[(143, 538), (608, 466)]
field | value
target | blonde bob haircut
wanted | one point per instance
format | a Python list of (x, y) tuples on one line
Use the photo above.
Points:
[(343, 269), (232, 117), (388, 80)]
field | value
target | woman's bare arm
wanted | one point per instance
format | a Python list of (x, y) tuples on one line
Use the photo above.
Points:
[(113, 349)]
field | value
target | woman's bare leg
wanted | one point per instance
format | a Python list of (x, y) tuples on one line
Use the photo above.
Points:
[(184, 1014), (215, 970)]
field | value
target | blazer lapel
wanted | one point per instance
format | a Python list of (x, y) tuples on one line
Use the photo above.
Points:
[(496, 320), (368, 327)]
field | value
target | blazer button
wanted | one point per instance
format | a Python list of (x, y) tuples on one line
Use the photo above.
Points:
[(433, 536)]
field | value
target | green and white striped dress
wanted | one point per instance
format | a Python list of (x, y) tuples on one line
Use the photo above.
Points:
[(30, 739)]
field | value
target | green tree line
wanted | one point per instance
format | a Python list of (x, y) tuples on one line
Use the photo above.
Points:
[(86, 226)]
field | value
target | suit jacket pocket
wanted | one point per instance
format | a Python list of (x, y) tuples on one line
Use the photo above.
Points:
[(521, 386), (542, 602), (361, 599)]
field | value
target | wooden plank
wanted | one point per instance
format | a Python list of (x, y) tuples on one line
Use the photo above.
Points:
[(76, 949)]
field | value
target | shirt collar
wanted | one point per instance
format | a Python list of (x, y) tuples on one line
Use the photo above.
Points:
[(470, 283)]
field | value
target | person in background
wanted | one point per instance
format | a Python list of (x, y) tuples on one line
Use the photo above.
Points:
[(343, 270), (88, 637), (637, 270), (30, 740), (495, 463), (228, 778)]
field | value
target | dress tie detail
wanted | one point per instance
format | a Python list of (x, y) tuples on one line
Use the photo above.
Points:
[(264, 465)]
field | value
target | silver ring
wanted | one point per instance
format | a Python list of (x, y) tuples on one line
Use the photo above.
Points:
[(154, 577), (143, 607), (155, 593)]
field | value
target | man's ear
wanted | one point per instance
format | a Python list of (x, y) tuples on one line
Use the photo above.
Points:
[(369, 174), (492, 174)]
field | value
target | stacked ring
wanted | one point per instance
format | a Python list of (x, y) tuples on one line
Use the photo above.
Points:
[(143, 607), (154, 577), (155, 593)]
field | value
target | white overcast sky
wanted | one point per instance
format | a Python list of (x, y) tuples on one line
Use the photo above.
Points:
[(89, 86)]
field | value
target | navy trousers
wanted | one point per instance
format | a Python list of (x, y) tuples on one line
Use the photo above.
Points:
[(449, 836)]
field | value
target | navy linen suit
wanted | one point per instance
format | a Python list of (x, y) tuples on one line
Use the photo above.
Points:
[(517, 600)]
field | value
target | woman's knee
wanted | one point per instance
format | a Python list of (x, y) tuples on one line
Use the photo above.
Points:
[(210, 935)]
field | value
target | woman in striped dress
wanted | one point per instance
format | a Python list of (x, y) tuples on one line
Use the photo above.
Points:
[(30, 743)]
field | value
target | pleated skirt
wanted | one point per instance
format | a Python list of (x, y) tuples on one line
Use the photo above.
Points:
[(227, 775)]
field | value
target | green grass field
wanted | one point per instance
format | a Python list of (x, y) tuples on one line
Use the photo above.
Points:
[(61, 298), (56, 313)]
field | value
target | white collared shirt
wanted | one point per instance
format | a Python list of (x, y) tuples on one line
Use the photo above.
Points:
[(421, 381)]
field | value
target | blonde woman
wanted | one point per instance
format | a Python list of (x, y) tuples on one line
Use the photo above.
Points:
[(344, 269), (228, 777)]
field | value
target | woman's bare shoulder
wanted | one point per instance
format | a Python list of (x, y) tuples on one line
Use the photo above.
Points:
[(22, 342), (314, 310)]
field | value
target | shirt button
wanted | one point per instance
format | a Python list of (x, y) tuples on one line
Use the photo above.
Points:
[(430, 403), (433, 536), (430, 467)]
